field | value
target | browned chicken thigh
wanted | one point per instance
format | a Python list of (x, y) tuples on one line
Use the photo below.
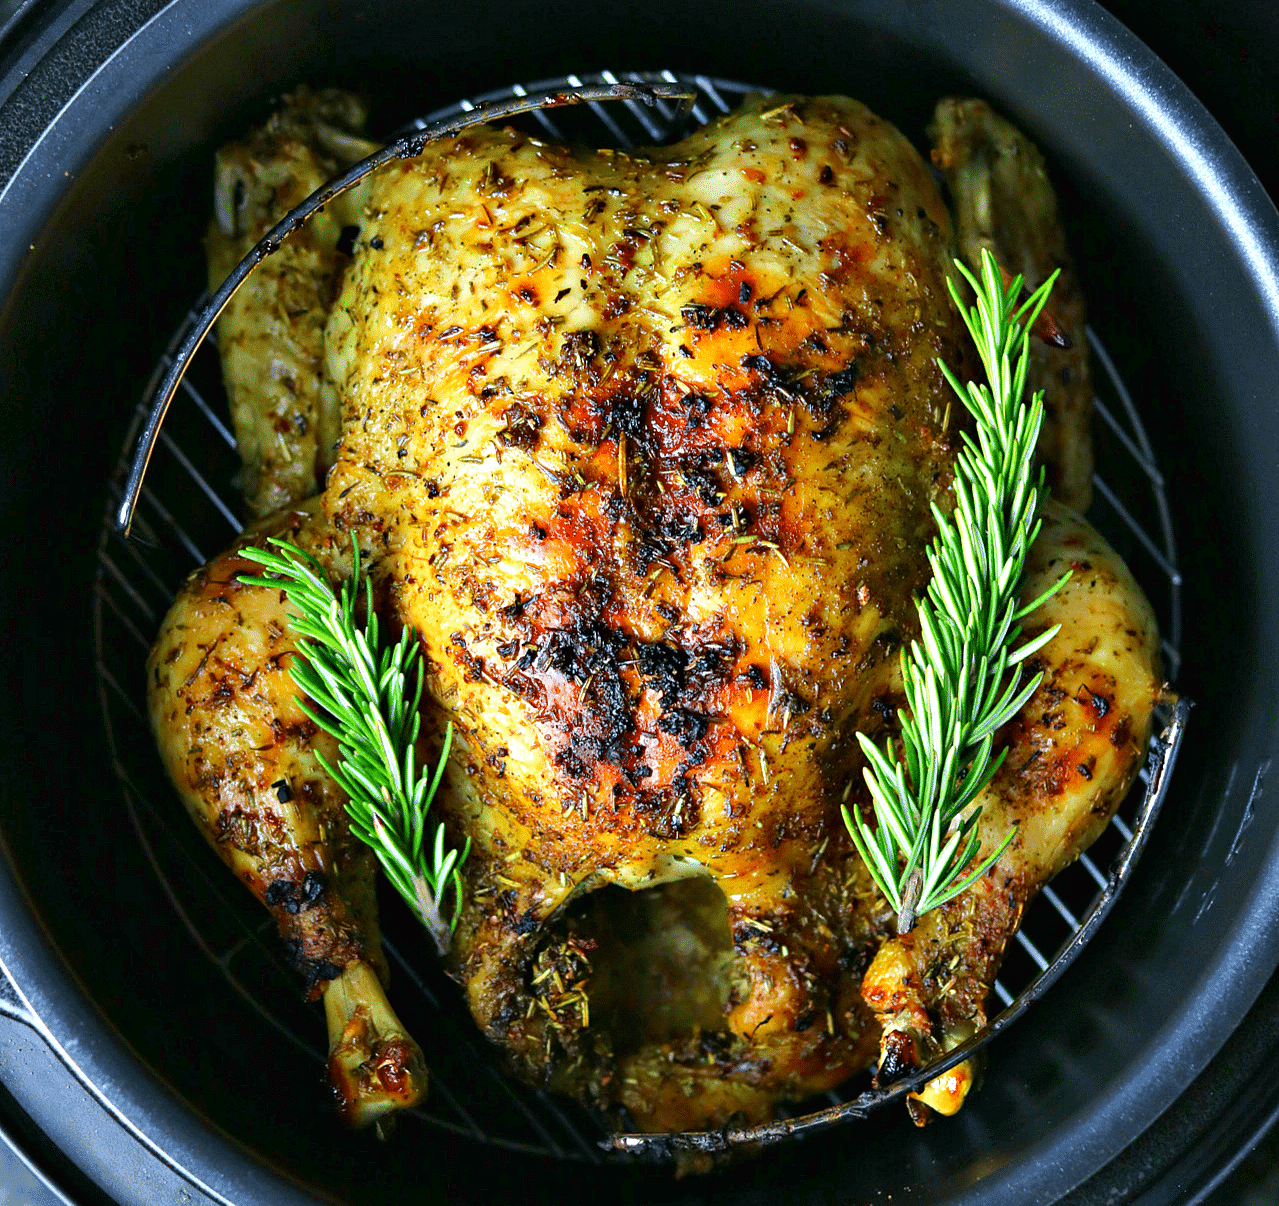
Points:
[(242, 755), (643, 446)]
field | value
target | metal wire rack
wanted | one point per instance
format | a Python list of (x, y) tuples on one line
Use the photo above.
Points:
[(186, 513)]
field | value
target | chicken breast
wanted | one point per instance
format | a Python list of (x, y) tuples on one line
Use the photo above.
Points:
[(643, 446)]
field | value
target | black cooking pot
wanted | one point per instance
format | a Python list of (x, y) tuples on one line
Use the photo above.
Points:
[(162, 1080)]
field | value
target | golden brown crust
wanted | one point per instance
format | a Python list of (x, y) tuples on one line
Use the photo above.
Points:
[(271, 334), (643, 446), (1072, 753), (242, 755), (1004, 202), (646, 444)]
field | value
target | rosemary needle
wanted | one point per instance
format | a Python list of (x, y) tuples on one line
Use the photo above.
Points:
[(360, 696), (962, 679)]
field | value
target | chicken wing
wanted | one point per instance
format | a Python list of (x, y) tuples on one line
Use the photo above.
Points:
[(271, 335), (1003, 201)]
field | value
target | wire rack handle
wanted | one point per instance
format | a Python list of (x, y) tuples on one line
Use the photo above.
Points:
[(408, 146)]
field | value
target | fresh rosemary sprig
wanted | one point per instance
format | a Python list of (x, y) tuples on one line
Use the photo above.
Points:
[(962, 680), (360, 697)]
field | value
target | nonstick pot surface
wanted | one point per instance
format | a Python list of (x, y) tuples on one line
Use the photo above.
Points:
[(1176, 244)]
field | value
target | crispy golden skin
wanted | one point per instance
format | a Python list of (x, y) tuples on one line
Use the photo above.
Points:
[(271, 335), (648, 443), (242, 755), (1073, 752), (643, 446), (1004, 202)]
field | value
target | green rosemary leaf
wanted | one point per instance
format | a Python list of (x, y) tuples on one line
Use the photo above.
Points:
[(962, 679), (355, 690)]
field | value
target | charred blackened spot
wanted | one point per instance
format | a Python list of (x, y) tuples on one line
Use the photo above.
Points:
[(701, 316), (588, 654), (376, 243), (508, 649), (1086, 768), (710, 664), (526, 923), (1100, 704), (295, 897), (755, 677), (537, 531), (822, 399), (827, 174), (896, 411), (579, 348), (283, 792), (626, 413), (665, 669), (571, 764), (698, 406), (682, 529), (588, 747), (741, 461), (744, 293), (705, 485), (798, 147), (523, 427), (685, 726), (472, 666), (528, 295), (898, 1060), (315, 971), (651, 548), (843, 381)]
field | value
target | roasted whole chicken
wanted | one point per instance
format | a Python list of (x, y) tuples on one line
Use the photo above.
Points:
[(642, 446)]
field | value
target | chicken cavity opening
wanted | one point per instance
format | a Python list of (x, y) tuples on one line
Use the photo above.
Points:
[(660, 967)]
